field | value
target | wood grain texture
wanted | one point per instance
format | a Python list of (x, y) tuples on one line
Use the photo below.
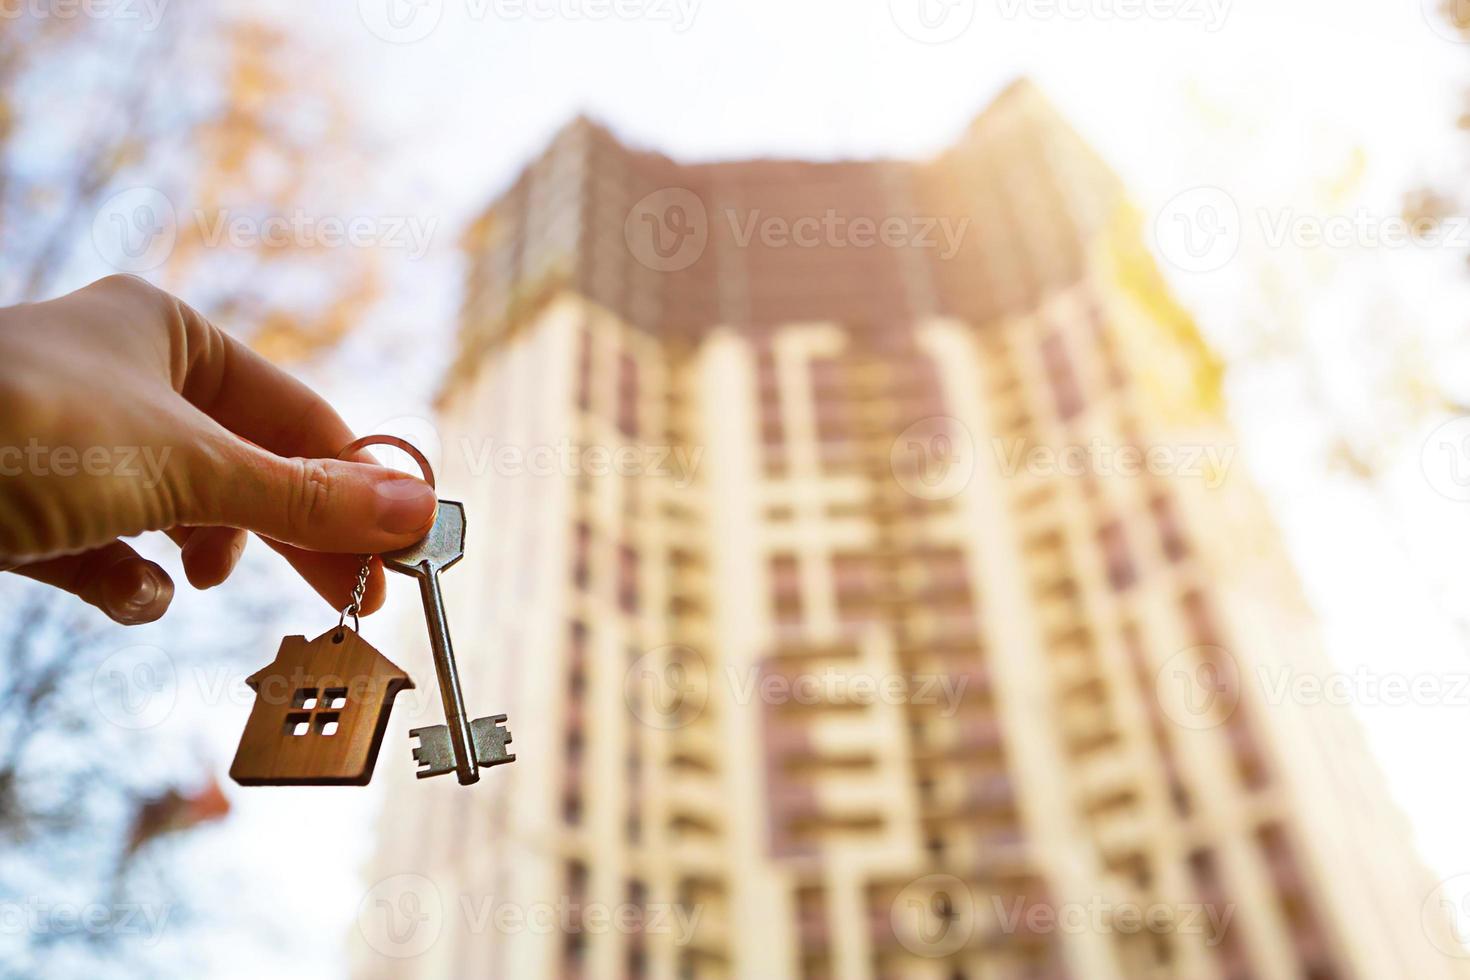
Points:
[(319, 715)]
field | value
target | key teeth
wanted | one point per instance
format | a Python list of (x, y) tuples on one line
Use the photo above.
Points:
[(432, 751), (491, 740)]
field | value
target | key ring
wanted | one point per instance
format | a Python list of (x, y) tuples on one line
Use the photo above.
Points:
[(396, 443), (359, 590)]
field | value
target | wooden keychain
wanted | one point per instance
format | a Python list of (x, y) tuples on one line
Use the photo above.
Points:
[(321, 707)]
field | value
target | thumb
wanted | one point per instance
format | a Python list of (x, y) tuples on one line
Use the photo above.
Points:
[(320, 504)]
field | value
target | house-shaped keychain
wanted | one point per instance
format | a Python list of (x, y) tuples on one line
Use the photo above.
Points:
[(320, 712)]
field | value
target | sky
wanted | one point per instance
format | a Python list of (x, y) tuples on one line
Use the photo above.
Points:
[(1315, 107)]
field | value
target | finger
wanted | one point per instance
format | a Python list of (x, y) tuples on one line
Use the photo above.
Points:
[(252, 397), (209, 554), (114, 578), (317, 504), (293, 488), (333, 576)]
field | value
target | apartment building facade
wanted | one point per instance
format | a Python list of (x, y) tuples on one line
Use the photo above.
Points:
[(866, 566)]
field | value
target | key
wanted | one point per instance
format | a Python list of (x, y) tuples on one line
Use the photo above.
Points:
[(459, 745)]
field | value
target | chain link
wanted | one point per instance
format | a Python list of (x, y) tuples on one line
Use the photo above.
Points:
[(354, 608)]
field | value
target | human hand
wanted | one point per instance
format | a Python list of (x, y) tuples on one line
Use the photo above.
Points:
[(125, 411)]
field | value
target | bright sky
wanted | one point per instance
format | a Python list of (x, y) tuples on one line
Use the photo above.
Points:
[(1282, 102)]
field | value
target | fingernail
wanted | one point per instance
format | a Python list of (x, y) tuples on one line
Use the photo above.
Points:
[(405, 505)]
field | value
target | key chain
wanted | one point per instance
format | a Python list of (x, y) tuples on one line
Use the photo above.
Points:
[(321, 707)]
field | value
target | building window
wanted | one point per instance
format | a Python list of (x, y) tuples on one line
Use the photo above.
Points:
[(1063, 379), (581, 561), (628, 395), (628, 578), (786, 588), (1171, 537), (584, 371), (1114, 544), (1201, 623)]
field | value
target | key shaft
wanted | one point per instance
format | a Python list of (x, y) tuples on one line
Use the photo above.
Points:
[(441, 548), (466, 769)]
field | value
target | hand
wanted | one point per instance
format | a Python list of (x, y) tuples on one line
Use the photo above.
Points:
[(126, 411)]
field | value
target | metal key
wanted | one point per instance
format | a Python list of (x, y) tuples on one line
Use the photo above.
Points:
[(458, 746)]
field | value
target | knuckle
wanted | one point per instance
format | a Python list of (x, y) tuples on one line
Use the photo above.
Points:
[(148, 304), (311, 494), (131, 285)]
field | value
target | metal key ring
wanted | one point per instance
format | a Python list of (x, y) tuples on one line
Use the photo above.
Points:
[(396, 443), (353, 607)]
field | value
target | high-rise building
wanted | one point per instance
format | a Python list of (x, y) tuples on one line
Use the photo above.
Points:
[(863, 559)]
